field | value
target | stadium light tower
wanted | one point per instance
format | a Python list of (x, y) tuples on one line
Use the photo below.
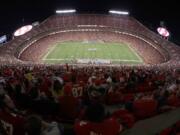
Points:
[(65, 11), (163, 32), (119, 12), (23, 30)]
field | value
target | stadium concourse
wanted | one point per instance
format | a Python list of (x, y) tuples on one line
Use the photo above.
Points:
[(37, 98)]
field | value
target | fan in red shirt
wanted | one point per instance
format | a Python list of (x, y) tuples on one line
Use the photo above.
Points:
[(12, 122), (76, 90), (96, 123), (69, 106)]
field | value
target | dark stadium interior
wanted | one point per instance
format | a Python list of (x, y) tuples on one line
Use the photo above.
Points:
[(38, 98)]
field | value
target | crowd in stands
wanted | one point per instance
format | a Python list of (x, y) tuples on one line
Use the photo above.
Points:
[(43, 100)]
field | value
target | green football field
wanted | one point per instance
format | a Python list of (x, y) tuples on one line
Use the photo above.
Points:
[(94, 52)]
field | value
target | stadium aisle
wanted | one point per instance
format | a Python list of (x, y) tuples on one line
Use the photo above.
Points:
[(154, 125)]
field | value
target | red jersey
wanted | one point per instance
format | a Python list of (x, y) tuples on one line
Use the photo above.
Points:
[(68, 88), (67, 77), (12, 123), (8, 72), (44, 87), (77, 90), (107, 127)]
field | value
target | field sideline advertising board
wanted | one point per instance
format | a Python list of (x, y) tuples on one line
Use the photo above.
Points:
[(3, 39)]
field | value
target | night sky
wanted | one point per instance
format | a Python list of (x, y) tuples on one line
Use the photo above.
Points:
[(15, 13)]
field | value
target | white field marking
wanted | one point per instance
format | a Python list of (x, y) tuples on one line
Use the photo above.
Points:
[(95, 59), (92, 49), (135, 53), (52, 48)]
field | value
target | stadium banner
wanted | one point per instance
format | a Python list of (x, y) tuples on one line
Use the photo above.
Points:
[(93, 61), (3, 39)]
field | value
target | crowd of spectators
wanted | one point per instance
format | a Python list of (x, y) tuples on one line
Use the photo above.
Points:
[(42, 100), (57, 100)]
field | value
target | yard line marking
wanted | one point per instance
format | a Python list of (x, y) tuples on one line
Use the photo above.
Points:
[(135, 53), (51, 49)]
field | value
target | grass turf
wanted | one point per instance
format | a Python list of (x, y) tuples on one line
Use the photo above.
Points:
[(69, 52)]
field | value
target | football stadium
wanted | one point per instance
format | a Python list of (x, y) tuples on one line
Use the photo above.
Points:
[(90, 39), (89, 74)]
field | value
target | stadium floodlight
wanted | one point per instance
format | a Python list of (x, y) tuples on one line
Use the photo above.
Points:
[(3, 39), (65, 11), (163, 32), (119, 12), (23, 30)]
